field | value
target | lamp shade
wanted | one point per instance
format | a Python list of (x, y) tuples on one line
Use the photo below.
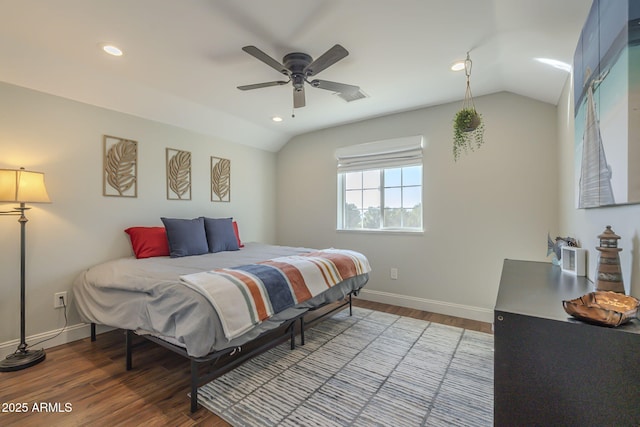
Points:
[(22, 186)]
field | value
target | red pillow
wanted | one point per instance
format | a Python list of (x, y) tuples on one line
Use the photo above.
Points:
[(148, 241), (235, 230)]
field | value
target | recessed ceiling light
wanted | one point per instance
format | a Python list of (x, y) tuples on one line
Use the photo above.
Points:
[(555, 64), (457, 66), (276, 119), (112, 50)]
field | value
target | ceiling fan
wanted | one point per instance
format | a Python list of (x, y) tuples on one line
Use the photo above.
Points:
[(299, 67)]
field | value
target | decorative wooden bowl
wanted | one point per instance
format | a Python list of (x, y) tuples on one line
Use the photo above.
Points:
[(603, 308)]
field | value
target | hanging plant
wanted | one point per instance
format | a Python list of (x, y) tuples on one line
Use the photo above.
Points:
[(468, 127), (468, 131)]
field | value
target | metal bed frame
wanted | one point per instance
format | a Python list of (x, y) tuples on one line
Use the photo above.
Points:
[(220, 362)]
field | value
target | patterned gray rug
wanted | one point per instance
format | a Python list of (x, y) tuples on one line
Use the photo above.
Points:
[(372, 369)]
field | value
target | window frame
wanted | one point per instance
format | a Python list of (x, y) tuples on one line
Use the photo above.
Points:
[(380, 156)]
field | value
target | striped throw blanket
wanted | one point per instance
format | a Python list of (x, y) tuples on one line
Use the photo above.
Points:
[(246, 295)]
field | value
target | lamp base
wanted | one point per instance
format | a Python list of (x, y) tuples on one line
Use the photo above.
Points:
[(22, 360)]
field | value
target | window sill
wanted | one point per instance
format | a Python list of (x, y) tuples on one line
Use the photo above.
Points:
[(386, 232)]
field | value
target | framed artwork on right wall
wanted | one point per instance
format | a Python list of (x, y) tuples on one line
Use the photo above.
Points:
[(606, 78)]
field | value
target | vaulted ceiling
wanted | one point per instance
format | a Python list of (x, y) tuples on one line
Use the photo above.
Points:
[(183, 60)]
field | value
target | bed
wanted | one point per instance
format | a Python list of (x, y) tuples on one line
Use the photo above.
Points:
[(153, 298)]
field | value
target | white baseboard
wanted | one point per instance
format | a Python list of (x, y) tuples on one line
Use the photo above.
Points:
[(69, 334), (440, 307)]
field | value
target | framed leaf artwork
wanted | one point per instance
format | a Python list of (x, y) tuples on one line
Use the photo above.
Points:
[(120, 174), (178, 174), (220, 179)]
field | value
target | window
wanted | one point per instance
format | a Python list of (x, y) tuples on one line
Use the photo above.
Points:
[(380, 185)]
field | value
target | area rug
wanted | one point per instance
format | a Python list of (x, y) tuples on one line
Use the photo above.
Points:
[(371, 369)]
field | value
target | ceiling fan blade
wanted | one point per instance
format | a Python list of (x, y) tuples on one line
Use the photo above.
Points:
[(327, 59), (298, 98), (258, 54), (260, 85), (334, 86)]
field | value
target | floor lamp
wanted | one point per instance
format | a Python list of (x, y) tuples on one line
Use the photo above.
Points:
[(21, 186)]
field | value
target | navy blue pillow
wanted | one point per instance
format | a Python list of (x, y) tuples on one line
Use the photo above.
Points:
[(220, 234), (186, 236)]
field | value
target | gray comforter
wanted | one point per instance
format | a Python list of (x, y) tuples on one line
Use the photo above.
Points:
[(146, 295)]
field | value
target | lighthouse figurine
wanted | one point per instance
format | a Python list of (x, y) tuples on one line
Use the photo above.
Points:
[(609, 276)]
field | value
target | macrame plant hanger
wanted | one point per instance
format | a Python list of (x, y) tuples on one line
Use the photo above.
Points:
[(468, 129), (468, 98)]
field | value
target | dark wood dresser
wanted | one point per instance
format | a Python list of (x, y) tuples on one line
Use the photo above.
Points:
[(551, 369)]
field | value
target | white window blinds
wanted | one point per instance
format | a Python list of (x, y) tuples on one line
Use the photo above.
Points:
[(397, 152)]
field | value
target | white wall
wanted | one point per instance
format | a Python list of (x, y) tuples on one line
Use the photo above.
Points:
[(587, 224), (498, 202), (63, 139)]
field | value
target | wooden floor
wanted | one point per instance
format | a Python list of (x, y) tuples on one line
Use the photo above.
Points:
[(85, 383)]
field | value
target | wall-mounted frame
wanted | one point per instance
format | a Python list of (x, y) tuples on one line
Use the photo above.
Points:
[(220, 179), (606, 99), (120, 167), (178, 174)]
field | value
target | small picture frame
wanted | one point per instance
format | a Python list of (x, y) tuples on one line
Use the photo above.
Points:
[(573, 260)]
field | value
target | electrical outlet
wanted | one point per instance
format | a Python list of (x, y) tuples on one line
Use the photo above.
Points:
[(394, 273), (60, 300)]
